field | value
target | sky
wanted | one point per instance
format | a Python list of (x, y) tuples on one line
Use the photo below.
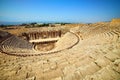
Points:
[(78, 11)]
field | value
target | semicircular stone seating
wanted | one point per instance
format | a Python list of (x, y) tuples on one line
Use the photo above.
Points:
[(67, 41), (13, 45)]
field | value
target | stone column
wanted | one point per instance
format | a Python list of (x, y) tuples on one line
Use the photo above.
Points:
[(33, 36), (42, 35), (47, 34), (59, 33), (30, 36), (36, 35), (39, 35), (56, 33), (52, 34)]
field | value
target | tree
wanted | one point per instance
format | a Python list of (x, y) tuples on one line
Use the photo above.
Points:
[(2, 25)]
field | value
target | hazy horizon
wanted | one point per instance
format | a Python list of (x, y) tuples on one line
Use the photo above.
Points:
[(28, 22), (74, 11)]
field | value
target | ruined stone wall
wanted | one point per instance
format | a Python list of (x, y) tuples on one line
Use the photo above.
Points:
[(42, 34), (115, 22)]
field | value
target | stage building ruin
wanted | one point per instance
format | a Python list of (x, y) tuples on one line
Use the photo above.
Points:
[(44, 39)]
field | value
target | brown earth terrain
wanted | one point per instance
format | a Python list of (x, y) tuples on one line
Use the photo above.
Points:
[(83, 52)]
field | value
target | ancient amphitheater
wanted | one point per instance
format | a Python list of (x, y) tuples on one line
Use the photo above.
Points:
[(69, 52)]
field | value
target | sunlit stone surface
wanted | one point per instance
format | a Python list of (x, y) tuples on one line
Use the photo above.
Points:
[(85, 52)]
